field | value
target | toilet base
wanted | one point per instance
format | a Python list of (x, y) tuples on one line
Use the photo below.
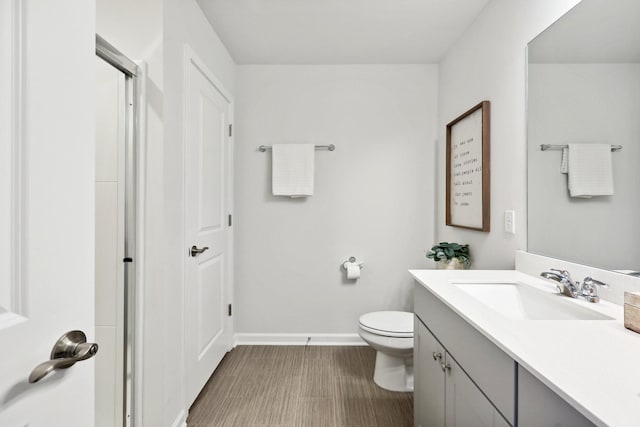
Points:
[(393, 373)]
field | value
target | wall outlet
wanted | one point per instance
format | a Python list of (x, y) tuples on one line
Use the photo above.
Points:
[(510, 222)]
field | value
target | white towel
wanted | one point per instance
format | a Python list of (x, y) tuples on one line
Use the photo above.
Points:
[(564, 163), (590, 170), (293, 170)]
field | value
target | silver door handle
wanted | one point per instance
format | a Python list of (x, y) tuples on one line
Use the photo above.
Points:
[(72, 347), (195, 251)]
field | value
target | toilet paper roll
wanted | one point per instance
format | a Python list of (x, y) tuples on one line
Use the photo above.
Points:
[(353, 271)]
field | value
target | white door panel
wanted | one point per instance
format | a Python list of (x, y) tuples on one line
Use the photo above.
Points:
[(209, 309), (206, 274), (47, 283)]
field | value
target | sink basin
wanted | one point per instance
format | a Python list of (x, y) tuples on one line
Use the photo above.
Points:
[(523, 302)]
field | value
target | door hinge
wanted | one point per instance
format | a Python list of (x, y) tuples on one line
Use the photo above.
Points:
[(230, 130), (230, 220), (230, 311)]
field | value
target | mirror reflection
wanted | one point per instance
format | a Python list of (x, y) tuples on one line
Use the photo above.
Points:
[(584, 89)]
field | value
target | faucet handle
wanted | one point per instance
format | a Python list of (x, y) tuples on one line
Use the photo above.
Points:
[(564, 273), (589, 289), (591, 281)]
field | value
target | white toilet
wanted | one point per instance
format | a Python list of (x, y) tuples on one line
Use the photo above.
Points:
[(390, 333)]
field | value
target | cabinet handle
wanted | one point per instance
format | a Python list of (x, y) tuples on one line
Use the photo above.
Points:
[(445, 367), (436, 355)]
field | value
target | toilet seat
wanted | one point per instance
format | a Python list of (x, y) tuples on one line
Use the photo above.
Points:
[(396, 324)]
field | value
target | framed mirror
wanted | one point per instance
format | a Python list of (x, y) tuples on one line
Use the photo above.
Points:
[(584, 88)]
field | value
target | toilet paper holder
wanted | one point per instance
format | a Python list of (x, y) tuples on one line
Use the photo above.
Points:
[(352, 260)]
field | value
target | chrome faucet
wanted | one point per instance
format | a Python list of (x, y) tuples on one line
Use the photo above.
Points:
[(567, 286)]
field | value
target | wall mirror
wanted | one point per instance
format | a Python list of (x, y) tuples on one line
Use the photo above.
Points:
[(583, 78)]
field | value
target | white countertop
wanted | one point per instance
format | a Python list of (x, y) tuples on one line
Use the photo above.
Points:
[(593, 364)]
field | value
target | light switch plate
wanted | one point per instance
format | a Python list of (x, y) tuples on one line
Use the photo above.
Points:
[(510, 222)]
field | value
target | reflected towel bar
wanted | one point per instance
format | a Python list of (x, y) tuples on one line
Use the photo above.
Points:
[(545, 147), (329, 147)]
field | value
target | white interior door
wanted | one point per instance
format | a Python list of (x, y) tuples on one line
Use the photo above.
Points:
[(47, 74), (206, 123)]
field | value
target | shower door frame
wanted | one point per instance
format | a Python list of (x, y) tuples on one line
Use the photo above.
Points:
[(133, 209)]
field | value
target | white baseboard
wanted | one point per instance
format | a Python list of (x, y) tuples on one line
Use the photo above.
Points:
[(298, 339), (181, 420)]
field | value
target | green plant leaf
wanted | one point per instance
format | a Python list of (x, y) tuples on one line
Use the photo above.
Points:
[(447, 251)]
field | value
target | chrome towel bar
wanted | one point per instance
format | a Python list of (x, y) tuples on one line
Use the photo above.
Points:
[(329, 147), (545, 147)]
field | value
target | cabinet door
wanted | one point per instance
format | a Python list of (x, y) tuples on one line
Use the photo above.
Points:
[(465, 403), (538, 405), (429, 379)]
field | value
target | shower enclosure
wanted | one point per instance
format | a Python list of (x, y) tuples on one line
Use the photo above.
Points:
[(116, 263)]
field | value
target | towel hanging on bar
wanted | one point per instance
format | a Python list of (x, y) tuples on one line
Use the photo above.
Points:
[(293, 170), (590, 170)]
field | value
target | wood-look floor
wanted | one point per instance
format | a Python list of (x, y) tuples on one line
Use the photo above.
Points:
[(299, 386)]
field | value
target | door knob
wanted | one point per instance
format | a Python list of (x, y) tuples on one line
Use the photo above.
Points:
[(72, 347), (195, 251)]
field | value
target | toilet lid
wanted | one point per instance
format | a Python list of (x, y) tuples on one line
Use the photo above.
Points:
[(388, 323)]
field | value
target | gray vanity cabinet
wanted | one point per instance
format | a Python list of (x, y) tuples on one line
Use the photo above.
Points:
[(533, 395), (465, 403), (462, 379), (491, 370), (444, 395), (429, 379)]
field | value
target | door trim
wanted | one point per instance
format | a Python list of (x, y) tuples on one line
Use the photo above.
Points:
[(14, 285), (191, 57), (18, 275), (140, 254)]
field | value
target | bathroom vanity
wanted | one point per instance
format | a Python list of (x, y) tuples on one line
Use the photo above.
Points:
[(502, 348)]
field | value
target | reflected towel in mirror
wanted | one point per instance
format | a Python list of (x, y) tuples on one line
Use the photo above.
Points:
[(590, 170)]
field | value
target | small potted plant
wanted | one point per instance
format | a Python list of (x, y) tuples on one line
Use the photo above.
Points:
[(450, 256)]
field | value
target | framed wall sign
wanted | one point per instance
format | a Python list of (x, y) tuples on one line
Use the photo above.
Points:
[(468, 169)]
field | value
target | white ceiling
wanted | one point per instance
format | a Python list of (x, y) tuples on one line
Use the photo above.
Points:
[(594, 31), (340, 31)]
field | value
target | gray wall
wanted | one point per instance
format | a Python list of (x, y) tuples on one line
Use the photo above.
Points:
[(373, 195), (488, 62)]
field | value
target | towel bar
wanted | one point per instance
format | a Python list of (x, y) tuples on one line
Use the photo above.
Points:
[(329, 147), (545, 147)]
